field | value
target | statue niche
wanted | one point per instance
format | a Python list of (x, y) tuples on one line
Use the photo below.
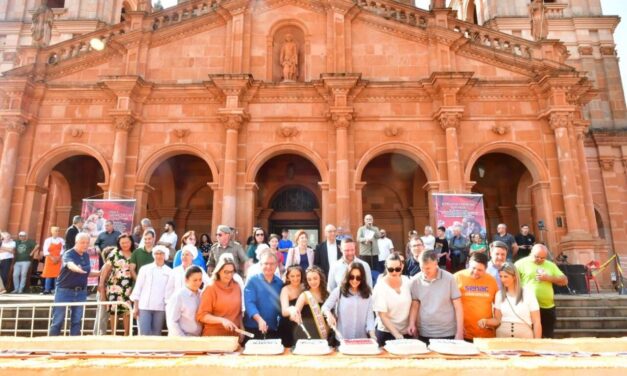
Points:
[(288, 45)]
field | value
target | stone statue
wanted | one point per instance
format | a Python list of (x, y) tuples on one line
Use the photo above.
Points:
[(539, 22), (42, 26), (289, 59)]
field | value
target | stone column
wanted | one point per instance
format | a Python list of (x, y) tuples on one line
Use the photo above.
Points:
[(341, 121), (232, 124), (15, 127), (325, 216), (582, 165), (449, 121), (122, 125), (217, 206), (431, 187), (560, 121), (359, 205)]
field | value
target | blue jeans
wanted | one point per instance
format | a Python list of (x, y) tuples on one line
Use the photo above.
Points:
[(63, 295), (49, 284), (150, 322), (20, 272)]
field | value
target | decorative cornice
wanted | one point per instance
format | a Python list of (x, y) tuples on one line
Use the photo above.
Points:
[(449, 117), (15, 124), (561, 119), (606, 163), (234, 121)]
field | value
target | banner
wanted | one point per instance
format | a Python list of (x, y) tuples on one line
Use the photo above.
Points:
[(463, 210), (96, 212)]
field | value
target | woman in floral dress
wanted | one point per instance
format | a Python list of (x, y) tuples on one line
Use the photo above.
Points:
[(116, 276)]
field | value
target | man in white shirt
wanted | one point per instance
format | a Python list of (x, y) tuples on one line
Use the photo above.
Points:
[(338, 271), (169, 237), (328, 252), (386, 247)]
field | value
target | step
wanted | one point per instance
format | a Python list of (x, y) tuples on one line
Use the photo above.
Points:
[(592, 323), (595, 333), (592, 311), (605, 300)]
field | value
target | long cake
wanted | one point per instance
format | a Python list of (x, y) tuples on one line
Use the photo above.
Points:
[(359, 346), (312, 347), (264, 347), (406, 347), (121, 343), (589, 345)]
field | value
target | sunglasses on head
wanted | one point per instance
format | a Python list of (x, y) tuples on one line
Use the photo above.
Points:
[(354, 278), (393, 270)]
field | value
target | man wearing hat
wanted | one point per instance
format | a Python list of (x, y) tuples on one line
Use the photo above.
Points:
[(150, 293), (25, 249), (224, 244)]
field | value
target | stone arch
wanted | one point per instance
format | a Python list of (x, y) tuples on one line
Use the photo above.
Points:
[(290, 148), (44, 165), (267, 203), (306, 48), (153, 161), (524, 154), (410, 151)]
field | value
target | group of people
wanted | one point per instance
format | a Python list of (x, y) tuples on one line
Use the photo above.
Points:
[(289, 290)]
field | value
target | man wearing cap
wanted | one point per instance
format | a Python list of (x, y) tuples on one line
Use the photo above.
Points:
[(224, 244), (150, 293), (25, 250), (72, 286)]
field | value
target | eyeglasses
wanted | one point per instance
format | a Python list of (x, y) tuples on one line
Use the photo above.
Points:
[(355, 278), (395, 270), (228, 271)]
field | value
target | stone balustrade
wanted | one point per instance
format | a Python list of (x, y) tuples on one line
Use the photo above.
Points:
[(493, 39), (183, 11), (80, 45), (395, 11)]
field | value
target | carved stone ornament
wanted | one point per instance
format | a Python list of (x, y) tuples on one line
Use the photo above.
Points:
[(181, 133), (233, 121), (341, 120), (607, 163), (76, 132), (123, 123), (449, 120), (500, 129), (607, 51), (560, 119), (16, 125), (392, 131), (585, 51), (289, 131)]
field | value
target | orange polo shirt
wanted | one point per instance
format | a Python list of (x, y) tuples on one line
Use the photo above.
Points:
[(477, 298)]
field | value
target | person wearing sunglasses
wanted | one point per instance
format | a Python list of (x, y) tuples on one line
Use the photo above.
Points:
[(436, 310), (340, 268), (259, 237), (223, 245), (392, 302), (352, 303)]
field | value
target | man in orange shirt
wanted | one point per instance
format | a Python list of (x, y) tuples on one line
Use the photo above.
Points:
[(478, 289)]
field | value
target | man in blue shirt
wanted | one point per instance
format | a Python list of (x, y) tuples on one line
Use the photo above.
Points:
[(285, 243), (261, 297), (72, 286)]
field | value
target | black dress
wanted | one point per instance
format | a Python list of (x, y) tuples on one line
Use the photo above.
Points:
[(287, 328)]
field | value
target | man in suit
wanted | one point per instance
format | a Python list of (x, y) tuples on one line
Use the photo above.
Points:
[(328, 252), (72, 231)]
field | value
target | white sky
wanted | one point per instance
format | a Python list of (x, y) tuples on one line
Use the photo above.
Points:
[(610, 7)]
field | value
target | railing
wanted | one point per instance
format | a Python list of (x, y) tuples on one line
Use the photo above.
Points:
[(394, 11), (182, 12), (81, 45), (493, 39), (31, 314)]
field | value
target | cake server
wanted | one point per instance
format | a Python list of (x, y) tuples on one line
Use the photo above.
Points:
[(305, 330)]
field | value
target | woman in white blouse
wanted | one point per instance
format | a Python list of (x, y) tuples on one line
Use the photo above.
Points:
[(392, 302), (516, 309), (149, 293)]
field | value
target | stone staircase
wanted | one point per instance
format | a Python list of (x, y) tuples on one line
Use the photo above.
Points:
[(595, 315)]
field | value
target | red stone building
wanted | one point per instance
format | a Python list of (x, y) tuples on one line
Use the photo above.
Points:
[(306, 112)]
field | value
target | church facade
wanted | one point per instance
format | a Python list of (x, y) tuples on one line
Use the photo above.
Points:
[(299, 113)]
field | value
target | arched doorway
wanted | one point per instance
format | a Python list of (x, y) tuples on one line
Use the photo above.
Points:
[(505, 183), (288, 195), (70, 181), (181, 194), (395, 196)]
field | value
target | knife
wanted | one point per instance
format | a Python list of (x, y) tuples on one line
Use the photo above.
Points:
[(305, 330)]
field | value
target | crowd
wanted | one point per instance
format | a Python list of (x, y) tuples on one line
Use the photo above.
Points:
[(439, 287)]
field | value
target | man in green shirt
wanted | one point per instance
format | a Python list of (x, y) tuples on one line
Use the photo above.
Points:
[(24, 250), (142, 256), (539, 275)]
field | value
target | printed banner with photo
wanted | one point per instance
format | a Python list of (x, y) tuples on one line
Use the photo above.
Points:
[(96, 212), (464, 210)]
